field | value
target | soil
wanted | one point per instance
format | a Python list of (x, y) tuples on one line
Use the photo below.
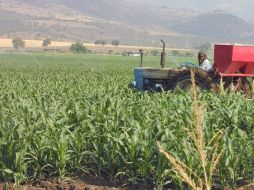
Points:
[(86, 183), (246, 187)]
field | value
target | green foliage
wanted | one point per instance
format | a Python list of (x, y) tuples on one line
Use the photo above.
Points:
[(78, 48), (71, 114), (18, 43), (115, 43), (205, 47), (175, 53), (155, 52), (100, 42), (46, 42), (188, 54)]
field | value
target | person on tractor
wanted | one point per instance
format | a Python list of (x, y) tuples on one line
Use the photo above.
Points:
[(203, 61)]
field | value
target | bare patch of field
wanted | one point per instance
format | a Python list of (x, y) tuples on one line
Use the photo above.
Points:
[(30, 44), (33, 43)]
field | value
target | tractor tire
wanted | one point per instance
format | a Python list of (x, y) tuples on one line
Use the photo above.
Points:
[(183, 80), (247, 89), (241, 85)]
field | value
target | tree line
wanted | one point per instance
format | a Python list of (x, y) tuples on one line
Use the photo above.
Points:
[(19, 43), (78, 47)]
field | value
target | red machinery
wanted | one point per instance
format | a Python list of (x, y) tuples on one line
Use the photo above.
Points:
[(232, 65), (234, 60)]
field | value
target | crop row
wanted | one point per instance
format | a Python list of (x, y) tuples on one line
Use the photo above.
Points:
[(66, 119)]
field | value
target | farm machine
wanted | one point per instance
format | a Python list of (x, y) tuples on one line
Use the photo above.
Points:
[(233, 66)]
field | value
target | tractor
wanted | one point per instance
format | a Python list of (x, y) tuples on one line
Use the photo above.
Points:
[(233, 66)]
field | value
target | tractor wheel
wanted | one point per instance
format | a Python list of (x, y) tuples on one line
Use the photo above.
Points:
[(241, 85), (183, 81), (247, 88)]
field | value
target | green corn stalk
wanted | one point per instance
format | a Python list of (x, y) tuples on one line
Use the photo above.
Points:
[(59, 118)]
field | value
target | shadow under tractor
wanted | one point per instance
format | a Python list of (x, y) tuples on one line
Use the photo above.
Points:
[(233, 68)]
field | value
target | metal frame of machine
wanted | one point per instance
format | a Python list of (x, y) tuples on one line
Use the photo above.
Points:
[(232, 65)]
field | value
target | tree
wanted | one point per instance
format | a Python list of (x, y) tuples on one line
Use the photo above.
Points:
[(188, 54), (18, 43), (154, 52), (97, 42), (46, 42), (103, 42), (78, 48), (175, 53), (100, 42), (115, 42), (205, 47)]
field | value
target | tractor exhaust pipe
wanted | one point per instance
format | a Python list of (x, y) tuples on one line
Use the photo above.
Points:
[(163, 54), (141, 52)]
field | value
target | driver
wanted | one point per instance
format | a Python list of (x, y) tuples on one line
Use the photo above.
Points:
[(203, 61)]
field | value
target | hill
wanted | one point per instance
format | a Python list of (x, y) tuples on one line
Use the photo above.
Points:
[(124, 20), (243, 8), (218, 26)]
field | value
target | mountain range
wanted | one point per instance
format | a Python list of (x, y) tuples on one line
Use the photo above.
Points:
[(180, 23)]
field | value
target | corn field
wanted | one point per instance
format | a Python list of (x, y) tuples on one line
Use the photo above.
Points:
[(64, 115)]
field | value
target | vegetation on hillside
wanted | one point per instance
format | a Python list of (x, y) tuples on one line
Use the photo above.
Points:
[(78, 48), (46, 42), (115, 42), (18, 43)]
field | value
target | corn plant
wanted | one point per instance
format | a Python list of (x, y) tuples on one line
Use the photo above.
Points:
[(71, 114), (208, 153)]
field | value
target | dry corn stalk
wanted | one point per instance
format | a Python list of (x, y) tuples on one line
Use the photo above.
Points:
[(196, 134)]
